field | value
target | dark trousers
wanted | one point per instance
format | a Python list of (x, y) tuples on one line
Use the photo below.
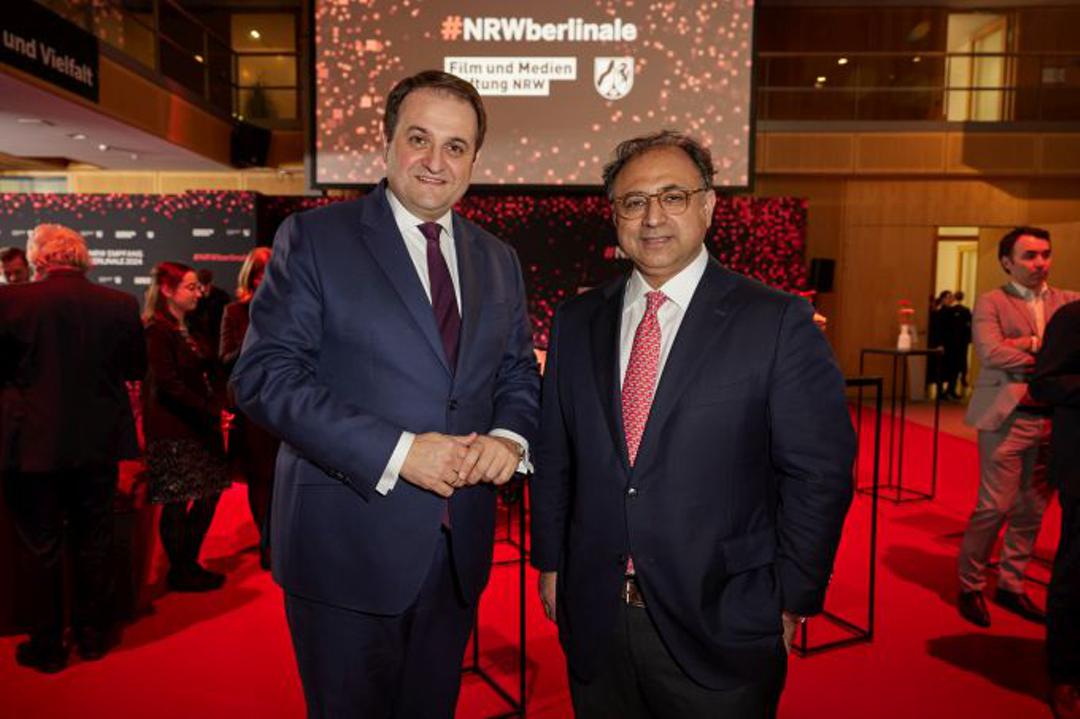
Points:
[(1063, 598), (183, 528), (637, 678), (406, 666), (72, 511)]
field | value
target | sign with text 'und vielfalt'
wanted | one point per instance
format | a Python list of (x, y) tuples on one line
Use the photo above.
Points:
[(43, 44)]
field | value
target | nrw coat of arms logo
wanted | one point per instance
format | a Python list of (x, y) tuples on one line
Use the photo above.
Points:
[(613, 77)]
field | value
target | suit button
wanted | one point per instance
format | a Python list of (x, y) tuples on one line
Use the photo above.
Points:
[(451, 405), (632, 492)]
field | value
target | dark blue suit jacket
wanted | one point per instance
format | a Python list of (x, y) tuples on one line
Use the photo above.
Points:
[(341, 355), (734, 507)]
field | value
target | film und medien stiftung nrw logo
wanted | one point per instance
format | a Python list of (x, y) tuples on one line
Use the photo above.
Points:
[(526, 29)]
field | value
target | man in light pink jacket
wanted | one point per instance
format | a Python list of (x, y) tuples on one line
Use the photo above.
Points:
[(1014, 429)]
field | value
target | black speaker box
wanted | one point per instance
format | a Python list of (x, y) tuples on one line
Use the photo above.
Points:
[(250, 145), (821, 274)]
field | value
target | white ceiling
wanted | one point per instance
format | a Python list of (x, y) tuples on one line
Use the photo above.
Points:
[(20, 99)]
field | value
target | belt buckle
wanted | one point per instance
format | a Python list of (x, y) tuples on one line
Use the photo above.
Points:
[(632, 593)]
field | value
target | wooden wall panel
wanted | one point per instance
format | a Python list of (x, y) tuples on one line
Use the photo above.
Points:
[(176, 182), (882, 265), (130, 183), (1060, 154), (900, 152), (801, 152), (970, 153)]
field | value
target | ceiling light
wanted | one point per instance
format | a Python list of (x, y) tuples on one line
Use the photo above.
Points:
[(255, 34), (821, 78), (916, 59), (103, 147), (842, 61), (199, 58), (134, 156), (32, 121), (77, 136)]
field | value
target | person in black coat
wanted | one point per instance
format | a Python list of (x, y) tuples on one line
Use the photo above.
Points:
[(67, 347), (185, 458), (251, 448), (1056, 382)]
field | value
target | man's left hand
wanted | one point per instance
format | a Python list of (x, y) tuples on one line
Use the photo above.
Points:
[(490, 459), (791, 623)]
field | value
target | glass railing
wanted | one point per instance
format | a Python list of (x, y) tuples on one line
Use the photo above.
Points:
[(175, 47), (940, 87)]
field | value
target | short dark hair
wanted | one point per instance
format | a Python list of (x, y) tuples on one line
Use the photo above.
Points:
[(205, 276), (7, 254), (636, 146), (438, 81), (958, 295), (1005, 246)]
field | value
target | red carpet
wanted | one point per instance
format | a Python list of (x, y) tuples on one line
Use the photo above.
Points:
[(227, 654)]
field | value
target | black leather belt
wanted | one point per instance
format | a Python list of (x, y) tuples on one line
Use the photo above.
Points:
[(631, 593)]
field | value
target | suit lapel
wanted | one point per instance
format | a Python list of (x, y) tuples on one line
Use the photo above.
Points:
[(706, 318), (469, 265), (604, 331), (388, 249)]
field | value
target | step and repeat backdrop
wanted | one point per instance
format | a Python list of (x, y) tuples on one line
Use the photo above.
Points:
[(566, 242)]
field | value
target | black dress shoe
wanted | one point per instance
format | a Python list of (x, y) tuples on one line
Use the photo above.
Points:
[(1019, 604), (47, 657), (194, 578), (91, 644), (972, 607)]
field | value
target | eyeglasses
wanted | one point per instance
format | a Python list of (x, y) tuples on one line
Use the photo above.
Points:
[(635, 205)]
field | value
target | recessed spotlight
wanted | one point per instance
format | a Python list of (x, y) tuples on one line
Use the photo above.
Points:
[(103, 147), (32, 121), (916, 59), (255, 34), (842, 61), (822, 78), (77, 136), (134, 156), (199, 59)]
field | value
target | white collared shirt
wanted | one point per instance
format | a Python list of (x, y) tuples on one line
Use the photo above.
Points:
[(679, 291), (1036, 302), (415, 242), (409, 226)]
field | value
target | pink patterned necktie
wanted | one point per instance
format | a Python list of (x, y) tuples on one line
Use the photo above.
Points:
[(639, 385)]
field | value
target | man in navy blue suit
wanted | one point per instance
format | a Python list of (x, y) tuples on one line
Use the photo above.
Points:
[(390, 350), (694, 466)]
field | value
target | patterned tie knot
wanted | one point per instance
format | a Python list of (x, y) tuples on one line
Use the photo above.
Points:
[(653, 301), (431, 231)]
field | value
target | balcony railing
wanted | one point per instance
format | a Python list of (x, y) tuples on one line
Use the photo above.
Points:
[(928, 86)]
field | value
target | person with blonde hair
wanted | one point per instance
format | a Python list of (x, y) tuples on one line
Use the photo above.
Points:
[(185, 459), (67, 347), (251, 448)]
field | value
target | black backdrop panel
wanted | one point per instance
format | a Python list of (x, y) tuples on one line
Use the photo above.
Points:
[(129, 234)]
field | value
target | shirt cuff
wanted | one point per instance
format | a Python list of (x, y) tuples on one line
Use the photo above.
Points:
[(525, 465), (389, 477)]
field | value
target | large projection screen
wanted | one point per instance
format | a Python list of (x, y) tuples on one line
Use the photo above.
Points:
[(562, 84)]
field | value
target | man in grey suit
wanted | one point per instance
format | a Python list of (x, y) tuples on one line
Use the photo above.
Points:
[(1014, 429)]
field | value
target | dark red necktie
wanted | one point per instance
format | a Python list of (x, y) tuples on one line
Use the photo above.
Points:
[(443, 301)]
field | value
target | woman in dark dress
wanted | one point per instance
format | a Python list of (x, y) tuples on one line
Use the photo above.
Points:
[(252, 449), (185, 460)]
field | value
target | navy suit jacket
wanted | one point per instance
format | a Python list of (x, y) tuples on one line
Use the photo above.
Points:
[(341, 355), (734, 507)]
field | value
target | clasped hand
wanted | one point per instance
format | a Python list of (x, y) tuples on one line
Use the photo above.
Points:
[(443, 463)]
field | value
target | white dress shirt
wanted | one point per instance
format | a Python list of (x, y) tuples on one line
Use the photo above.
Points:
[(1036, 302), (416, 244), (679, 291)]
